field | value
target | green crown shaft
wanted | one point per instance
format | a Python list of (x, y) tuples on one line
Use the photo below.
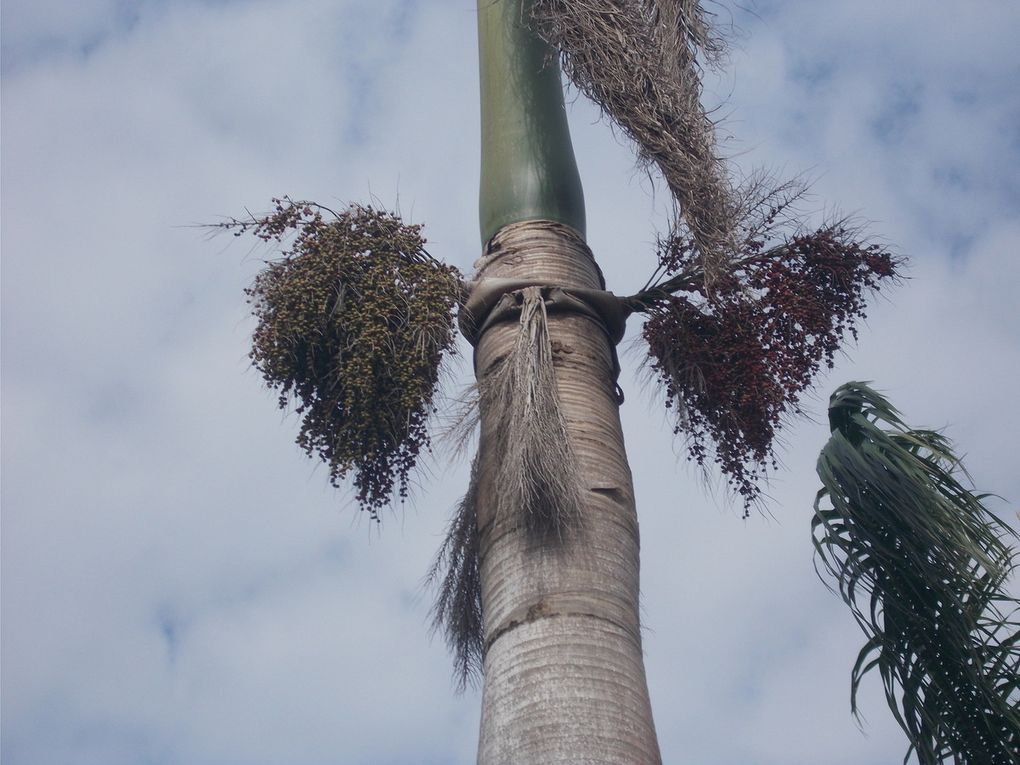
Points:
[(528, 166)]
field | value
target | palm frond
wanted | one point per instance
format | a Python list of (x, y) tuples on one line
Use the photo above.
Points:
[(922, 564), (639, 62)]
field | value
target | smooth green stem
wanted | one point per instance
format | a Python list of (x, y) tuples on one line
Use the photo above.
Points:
[(528, 166)]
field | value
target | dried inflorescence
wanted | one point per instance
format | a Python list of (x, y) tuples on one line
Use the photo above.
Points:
[(739, 325), (353, 322), (735, 361), (639, 61)]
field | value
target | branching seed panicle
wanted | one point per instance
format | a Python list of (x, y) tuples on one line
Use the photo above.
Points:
[(734, 362), (353, 321)]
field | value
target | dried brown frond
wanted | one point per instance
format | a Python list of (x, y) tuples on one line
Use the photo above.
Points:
[(457, 612), (638, 61), (535, 477), (536, 473), (458, 430)]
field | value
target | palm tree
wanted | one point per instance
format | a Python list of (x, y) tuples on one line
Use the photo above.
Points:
[(538, 578), (563, 671), (543, 582)]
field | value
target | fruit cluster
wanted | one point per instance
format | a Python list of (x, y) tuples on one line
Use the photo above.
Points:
[(353, 321), (734, 362)]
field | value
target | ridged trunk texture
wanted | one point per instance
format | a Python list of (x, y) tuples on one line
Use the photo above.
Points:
[(564, 677)]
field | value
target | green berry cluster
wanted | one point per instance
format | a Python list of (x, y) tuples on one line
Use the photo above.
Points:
[(353, 322)]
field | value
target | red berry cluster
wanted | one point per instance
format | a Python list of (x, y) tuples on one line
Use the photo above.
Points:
[(352, 323), (735, 360)]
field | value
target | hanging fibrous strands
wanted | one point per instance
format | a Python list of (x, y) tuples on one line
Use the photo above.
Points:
[(455, 576), (639, 61), (537, 473), (536, 479)]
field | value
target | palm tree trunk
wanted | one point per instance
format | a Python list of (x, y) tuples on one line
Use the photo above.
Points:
[(564, 677)]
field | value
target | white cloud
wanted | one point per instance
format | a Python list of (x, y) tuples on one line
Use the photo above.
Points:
[(179, 584)]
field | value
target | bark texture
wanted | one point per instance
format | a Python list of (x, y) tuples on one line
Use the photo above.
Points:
[(564, 677)]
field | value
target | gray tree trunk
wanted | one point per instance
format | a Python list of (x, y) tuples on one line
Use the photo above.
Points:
[(564, 677)]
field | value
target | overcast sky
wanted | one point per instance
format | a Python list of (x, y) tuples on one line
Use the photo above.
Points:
[(180, 585)]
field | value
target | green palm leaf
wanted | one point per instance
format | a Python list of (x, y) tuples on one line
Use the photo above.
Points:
[(922, 564)]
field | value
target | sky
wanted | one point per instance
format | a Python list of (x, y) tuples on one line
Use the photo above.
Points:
[(179, 582)]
